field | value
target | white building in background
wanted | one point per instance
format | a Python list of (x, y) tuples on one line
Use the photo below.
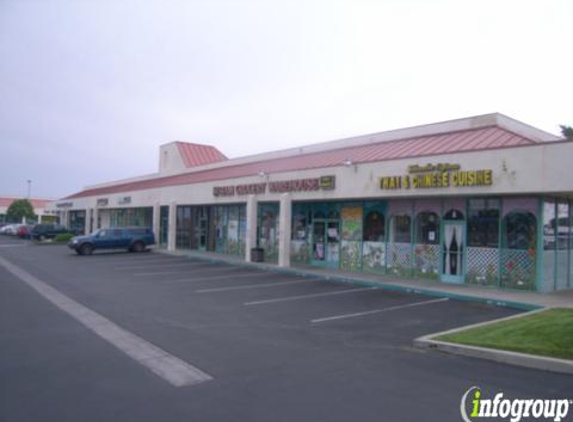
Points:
[(39, 205), (483, 200)]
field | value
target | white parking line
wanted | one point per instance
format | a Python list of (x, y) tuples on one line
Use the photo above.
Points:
[(253, 286), (376, 311), (160, 264), (190, 271), (172, 369), (111, 262), (217, 277), (285, 299)]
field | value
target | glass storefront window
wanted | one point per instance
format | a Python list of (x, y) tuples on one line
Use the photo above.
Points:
[(374, 227), (299, 224), (77, 221), (140, 217), (401, 229), (183, 232), (483, 223), (428, 224), (562, 225), (562, 245), (520, 230), (233, 230), (242, 229), (163, 225), (518, 256), (267, 230), (549, 226)]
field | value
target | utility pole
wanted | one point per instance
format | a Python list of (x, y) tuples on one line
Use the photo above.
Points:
[(29, 188)]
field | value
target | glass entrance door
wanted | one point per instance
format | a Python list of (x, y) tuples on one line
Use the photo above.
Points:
[(453, 249), (325, 242), (332, 243), (201, 228), (319, 242), (163, 225)]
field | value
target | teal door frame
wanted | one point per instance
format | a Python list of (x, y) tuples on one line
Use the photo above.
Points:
[(460, 276)]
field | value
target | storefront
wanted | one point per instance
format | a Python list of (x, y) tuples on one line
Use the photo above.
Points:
[(485, 241), (213, 228), (484, 201), (77, 221)]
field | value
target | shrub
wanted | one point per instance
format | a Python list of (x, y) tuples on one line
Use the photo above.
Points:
[(63, 237)]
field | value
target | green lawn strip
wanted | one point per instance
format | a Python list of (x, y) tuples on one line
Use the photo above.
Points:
[(547, 333)]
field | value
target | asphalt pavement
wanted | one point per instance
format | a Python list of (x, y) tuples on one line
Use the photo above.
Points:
[(274, 346)]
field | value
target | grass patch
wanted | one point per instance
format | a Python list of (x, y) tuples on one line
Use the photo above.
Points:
[(547, 333)]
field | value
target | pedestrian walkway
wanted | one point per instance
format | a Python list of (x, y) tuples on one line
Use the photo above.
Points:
[(512, 298)]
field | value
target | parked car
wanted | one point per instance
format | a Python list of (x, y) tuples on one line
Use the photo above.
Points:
[(134, 239), (5, 229), (11, 229), (46, 231)]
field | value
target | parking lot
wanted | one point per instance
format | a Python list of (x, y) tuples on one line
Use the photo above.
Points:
[(271, 346)]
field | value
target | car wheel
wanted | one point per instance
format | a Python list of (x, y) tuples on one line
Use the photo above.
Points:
[(86, 249), (138, 247), (41, 238)]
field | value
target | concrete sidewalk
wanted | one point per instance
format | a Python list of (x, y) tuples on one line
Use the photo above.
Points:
[(511, 298)]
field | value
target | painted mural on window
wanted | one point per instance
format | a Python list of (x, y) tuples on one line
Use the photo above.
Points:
[(350, 256), (373, 246)]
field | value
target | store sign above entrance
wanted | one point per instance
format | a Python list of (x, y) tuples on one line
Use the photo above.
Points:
[(282, 186), (441, 175)]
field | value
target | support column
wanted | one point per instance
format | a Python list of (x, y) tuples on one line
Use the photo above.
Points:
[(251, 235), (285, 220), (95, 216), (88, 219), (156, 220), (40, 215), (172, 229)]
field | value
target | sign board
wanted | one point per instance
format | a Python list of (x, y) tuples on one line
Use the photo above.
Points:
[(441, 175), (282, 186)]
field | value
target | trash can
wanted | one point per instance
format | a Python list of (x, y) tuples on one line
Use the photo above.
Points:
[(257, 255)]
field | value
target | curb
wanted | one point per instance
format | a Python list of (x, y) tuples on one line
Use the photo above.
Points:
[(543, 363), (522, 306)]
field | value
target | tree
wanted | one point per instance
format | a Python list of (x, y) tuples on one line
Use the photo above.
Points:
[(567, 132), (19, 209)]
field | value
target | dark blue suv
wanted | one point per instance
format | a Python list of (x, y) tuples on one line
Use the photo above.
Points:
[(134, 239)]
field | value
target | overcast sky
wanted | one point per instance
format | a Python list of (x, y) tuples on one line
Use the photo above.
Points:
[(90, 89)]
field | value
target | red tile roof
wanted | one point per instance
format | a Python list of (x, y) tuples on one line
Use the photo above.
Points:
[(36, 202), (484, 138), (198, 155)]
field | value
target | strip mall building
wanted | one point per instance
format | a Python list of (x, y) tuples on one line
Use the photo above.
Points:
[(484, 200)]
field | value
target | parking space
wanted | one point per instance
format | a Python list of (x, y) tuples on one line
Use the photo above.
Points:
[(269, 338), (271, 295)]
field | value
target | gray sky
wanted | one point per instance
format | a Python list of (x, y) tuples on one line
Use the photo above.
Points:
[(90, 89)]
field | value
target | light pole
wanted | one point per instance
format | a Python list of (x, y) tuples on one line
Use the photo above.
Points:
[(29, 187)]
